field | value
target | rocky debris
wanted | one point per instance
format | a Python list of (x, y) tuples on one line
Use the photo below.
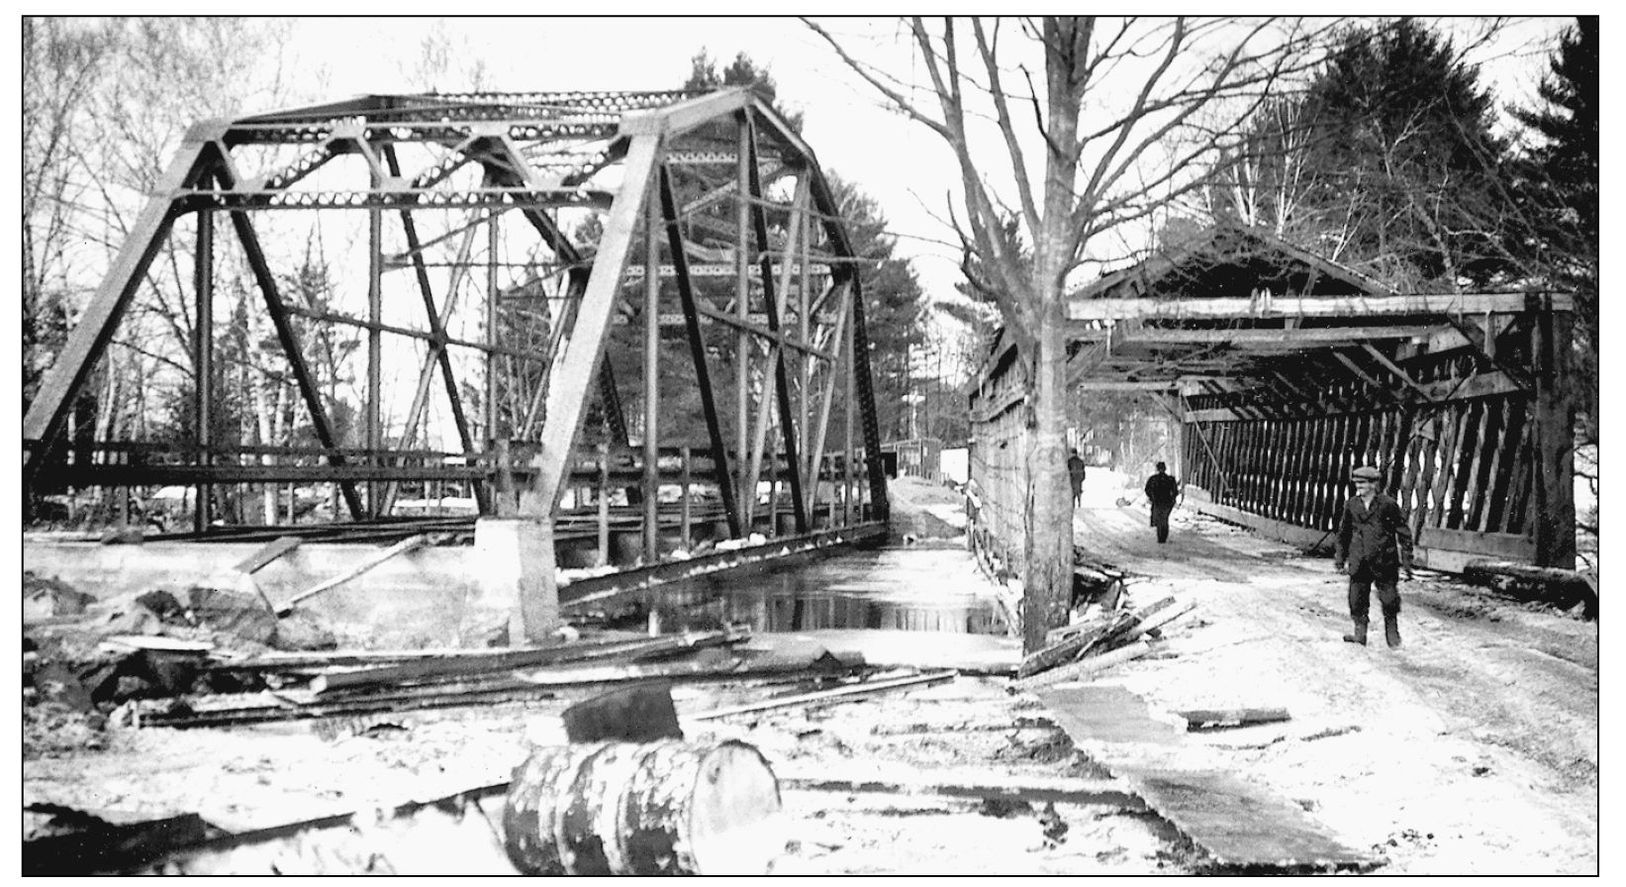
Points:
[(47, 596)]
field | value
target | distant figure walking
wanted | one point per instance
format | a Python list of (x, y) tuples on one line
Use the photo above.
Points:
[(1374, 546), (1075, 473), (1162, 491)]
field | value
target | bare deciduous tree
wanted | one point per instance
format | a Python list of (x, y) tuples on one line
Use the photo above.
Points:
[(1129, 112)]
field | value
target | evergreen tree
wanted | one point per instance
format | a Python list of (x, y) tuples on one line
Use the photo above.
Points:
[(1557, 187), (1388, 163)]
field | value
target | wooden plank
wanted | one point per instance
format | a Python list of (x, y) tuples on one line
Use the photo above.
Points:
[(430, 669), (1070, 647), (841, 694), (640, 713), (1250, 339), (1491, 432), (411, 543), (1097, 713), (1240, 824), (1502, 466), (1502, 545), (272, 551), (1085, 669), (964, 783), (1210, 718), (1079, 309)]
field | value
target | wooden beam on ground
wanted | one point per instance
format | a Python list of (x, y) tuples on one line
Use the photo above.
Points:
[(430, 668), (840, 694), (960, 783), (1207, 719)]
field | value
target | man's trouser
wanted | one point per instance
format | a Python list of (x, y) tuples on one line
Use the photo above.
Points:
[(1361, 580), (1160, 520)]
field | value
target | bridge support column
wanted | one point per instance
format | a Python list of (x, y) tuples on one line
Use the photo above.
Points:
[(515, 562)]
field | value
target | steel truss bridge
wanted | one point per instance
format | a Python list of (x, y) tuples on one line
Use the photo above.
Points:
[(521, 269)]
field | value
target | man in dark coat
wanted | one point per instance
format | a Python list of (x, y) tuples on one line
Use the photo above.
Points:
[(1374, 547), (1075, 473), (1162, 491)]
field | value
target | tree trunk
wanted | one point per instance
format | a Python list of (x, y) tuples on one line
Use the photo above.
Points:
[(1048, 582)]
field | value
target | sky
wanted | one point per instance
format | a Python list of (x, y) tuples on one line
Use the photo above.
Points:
[(902, 165)]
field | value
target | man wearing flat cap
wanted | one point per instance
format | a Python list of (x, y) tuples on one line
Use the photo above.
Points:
[(1374, 547)]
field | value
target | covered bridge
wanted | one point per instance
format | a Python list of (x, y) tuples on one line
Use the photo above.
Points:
[(1286, 370)]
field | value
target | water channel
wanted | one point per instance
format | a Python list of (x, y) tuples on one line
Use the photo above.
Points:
[(914, 588)]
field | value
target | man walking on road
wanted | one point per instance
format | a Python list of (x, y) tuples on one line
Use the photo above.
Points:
[(1374, 546), (1162, 491), (1075, 473)]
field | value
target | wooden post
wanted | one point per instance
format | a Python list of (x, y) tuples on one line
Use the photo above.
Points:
[(1555, 437)]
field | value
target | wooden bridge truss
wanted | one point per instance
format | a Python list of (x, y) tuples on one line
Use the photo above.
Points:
[(715, 255), (1284, 371)]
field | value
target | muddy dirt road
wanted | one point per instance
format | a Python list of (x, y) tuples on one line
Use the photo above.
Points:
[(1473, 749)]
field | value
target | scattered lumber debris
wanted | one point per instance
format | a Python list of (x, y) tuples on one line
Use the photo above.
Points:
[(429, 669), (306, 686), (1081, 649), (1084, 669), (1214, 719), (1561, 588)]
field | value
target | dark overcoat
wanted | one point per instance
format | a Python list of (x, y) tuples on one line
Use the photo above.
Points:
[(1374, 540)]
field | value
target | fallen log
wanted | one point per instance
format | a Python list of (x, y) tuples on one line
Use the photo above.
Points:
[(840, 694), (1549, 585), (1210, 719)]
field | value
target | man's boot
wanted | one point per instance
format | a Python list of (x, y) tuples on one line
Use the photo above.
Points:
[(1359, 636), (1391, 628)]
